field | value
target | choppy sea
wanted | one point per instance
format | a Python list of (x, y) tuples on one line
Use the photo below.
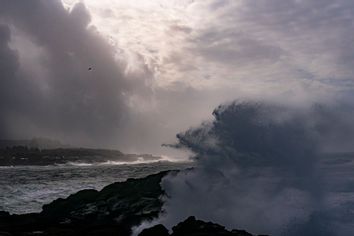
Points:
[(24, 189)]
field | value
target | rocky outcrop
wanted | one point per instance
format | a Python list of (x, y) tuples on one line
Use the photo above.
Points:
[(193, 227), (157, 230), (111, 211)]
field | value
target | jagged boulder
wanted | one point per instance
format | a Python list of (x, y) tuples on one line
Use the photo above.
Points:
[(194, 227)]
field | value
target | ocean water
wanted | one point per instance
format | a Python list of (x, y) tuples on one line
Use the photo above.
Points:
[(24, 189)]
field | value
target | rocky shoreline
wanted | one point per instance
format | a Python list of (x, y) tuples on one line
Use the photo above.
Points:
[(112, 211)]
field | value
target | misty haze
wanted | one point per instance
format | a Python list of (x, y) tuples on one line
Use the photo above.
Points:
[(176, 117)]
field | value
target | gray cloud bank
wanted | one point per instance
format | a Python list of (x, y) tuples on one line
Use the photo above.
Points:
[(267, 168), (297, 52), (46, 87)]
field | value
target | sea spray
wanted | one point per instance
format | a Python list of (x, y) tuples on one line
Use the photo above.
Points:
[(260, 167)]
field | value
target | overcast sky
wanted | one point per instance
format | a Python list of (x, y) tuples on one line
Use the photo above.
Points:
[(161, 66)]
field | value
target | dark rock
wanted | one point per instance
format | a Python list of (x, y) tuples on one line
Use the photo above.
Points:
[(63, 207), (111, 211), (4, 214), (157, 230), (121, 203), (4, 234), (193, 227)]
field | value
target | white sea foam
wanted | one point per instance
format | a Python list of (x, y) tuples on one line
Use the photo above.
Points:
[(79, 164)]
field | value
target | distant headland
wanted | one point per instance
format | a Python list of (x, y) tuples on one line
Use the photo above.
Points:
[(40, 151)]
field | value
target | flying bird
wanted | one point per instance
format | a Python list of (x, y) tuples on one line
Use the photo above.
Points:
[(90, 68)]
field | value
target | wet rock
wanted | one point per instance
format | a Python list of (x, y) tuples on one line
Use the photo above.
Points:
[(194, 227), (191, 226), (157, 230), (4, 214), (111, 211)]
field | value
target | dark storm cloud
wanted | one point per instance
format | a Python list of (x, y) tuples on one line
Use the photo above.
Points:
[(8, 67), (262, 167), (63, 98)]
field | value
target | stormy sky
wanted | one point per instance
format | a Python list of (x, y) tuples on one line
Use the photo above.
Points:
[(162, 66)]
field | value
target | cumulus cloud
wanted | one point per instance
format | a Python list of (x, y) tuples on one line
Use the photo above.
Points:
[(262, 167)]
